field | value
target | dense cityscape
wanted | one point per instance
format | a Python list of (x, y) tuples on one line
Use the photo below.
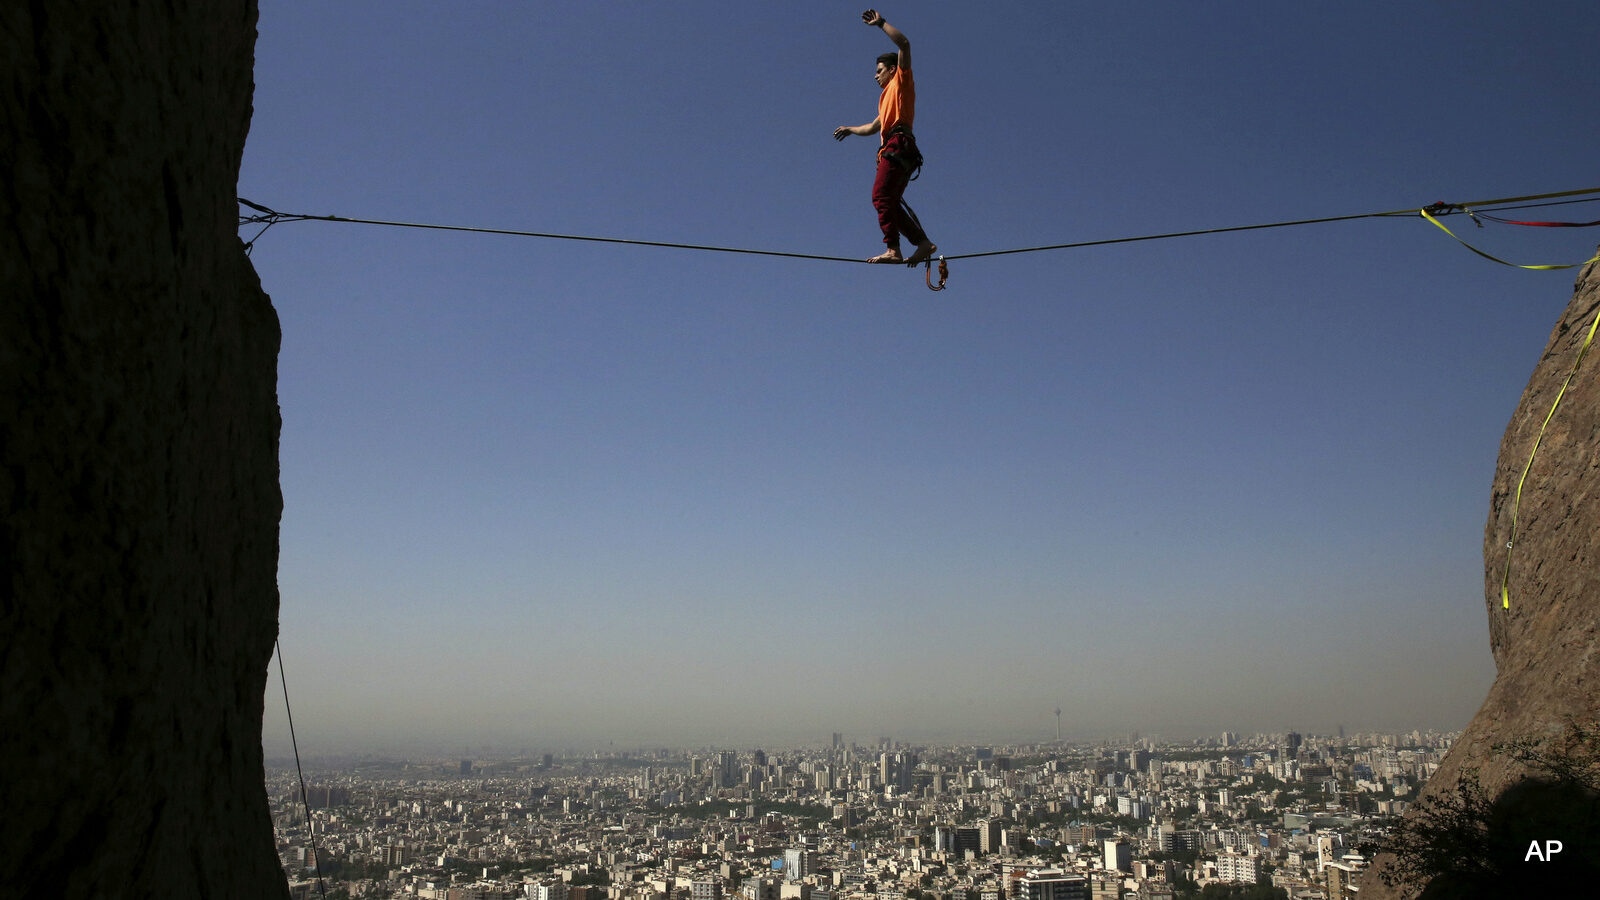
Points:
[(1263, 816)]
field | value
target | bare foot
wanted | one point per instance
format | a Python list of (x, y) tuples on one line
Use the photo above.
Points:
[(891, 256), (924, 250)]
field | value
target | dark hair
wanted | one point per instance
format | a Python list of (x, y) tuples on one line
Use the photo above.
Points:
[(890, 60)]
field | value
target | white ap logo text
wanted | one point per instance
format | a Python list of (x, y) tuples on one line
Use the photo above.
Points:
[(1551, 848)]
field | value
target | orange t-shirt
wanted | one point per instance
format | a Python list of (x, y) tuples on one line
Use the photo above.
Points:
[(897, 105)]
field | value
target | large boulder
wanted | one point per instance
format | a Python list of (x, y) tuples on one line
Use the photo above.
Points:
[(1542, 629), (139, 499)]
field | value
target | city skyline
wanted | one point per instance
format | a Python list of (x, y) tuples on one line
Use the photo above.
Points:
[(585, 493), (464, 748), (831, 822)]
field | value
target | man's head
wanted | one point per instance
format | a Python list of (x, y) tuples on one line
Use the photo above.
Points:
[(885, 68)]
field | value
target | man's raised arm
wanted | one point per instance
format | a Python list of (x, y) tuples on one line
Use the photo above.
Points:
[(873, 18)]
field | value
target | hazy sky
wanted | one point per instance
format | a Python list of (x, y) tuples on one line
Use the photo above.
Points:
[(548, 494)]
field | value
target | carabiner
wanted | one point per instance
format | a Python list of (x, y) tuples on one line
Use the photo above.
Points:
[(927, 274)]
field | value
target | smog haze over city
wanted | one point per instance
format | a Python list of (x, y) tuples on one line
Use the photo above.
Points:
[(547, 495)]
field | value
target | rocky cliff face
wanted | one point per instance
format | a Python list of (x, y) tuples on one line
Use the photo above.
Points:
[(139, 499), (1545, 643)]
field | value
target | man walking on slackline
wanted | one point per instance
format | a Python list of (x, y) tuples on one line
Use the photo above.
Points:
[(897, 151)]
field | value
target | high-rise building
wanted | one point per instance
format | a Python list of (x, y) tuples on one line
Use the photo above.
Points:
[(705, 889), (1330, 846), (322, 796), (1236, 867), (1052, 884), (759, 889), (1080, 834), (1344, 876), (796, 864), (989, 832), (549, 889), (1119, 856)]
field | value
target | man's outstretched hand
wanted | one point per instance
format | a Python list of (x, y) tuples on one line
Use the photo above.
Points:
[(871, 17)]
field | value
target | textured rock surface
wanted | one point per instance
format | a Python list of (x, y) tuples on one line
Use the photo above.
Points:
[(1545, 644), (139, 497)]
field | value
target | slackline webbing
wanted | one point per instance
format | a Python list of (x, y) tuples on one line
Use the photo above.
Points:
[(268, 217)]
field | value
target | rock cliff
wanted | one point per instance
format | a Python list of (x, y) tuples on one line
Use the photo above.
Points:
[(1544, 644), (139, 499)]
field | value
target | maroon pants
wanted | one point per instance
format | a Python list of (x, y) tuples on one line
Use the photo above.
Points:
[(887, 190)]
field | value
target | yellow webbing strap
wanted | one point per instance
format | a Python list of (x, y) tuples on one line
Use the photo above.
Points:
[(1505, 594), (1494, 259), (1516, 505)]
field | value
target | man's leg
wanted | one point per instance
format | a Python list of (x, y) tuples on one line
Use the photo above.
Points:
[(887, 190), (913, 232)]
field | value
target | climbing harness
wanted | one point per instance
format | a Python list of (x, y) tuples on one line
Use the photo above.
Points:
[(905, 153)]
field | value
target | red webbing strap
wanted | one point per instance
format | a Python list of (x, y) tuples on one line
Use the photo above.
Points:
[(1538, 224)]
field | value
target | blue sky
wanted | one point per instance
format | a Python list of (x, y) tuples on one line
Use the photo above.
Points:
[(548, 494)]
